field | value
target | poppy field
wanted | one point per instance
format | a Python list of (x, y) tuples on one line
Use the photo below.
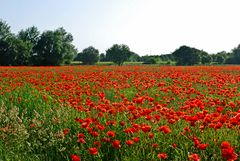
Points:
[(128, 113)]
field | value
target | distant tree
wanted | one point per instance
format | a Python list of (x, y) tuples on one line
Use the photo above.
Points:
[(186, 56), (89, 56), (31, 35), (206, 59), (118, 54), (149, 60), (15, 52), (55, 48), (5, 55), (220, 59), (236, 55), (166, 57), (134, 57), (5, 31), (102, 57)]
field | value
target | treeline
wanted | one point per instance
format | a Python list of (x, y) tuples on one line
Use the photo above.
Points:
[(54, 47), (30, 47)]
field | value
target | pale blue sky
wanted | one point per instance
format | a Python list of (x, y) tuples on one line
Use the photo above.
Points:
[(146, 26)]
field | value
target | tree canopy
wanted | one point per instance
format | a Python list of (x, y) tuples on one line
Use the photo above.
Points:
[(29, 47), (88, 56), (118, 53), (186, 56)]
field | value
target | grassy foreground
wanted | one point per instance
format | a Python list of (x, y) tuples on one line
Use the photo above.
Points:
[(119, 113)]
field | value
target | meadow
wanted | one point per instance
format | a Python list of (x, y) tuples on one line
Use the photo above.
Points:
[(128, 113)]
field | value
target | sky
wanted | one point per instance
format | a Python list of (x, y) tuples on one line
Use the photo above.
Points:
[(150, 27)]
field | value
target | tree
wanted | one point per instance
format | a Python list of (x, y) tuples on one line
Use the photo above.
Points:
[(118, 53), (89, 56), (5, 31), (134, 57), (166, 57), (31, 35), (13, 51), (186, 56), (236, 55), (220, 59), (206, 59), (16, 52), (149, 60), (102, 57), (55, 48)]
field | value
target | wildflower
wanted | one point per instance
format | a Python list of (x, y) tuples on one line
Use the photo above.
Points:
[(164, 129), (202, 146), (129, 142), (228, 151), (111, 134), (146, 128), (155, 145), (74, 157), (80, 135), (95, 134), (151, 135), (93, 151), (66, 131), (135, 139), (116, 144), (162, 155), (174, 145), (194, 157)]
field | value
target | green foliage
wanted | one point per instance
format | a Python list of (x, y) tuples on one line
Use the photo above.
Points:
[(134, 57), (118, 53), (234, 58), (149, 60), (5, 31), (29, 48), (30, 35), (14, 51), (187, 56), (89, 56), (102, 57), (220, 59), (54, 48), (206, 59), (166, 57)]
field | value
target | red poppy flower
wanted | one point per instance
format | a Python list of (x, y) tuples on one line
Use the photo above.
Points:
[(74, 157), (164, 129), (228, 151), (116, 144), (155, 145), (81, 140), (194, 157), (202, 146), (111, 133), (162, 155), (80, 135), (66, 131), (146, 128), (93, 151), (129, 142), (135, 139), (225, 145), (151, 135)]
